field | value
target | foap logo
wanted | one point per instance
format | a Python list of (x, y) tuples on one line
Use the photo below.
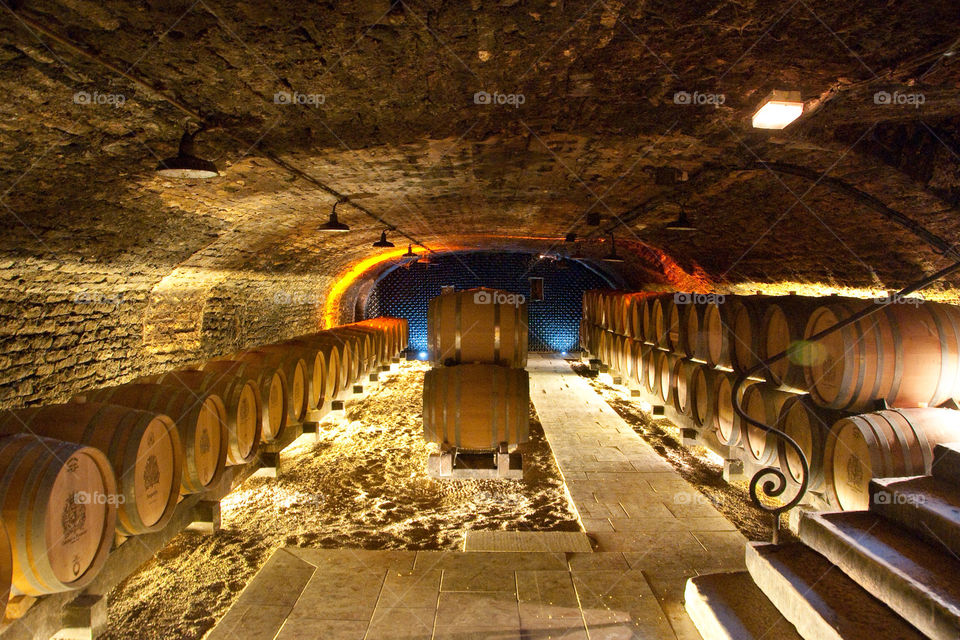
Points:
[(886, 497), (509, 99), (900, 99), (698, 298), (309, 99), (96, 497), (896, 298), (687, 497), (286, 297), (97, 297), (116, 100), (699, 99), (498, 297)]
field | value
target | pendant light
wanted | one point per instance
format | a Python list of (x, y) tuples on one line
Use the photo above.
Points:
[(612, 256), (333, 224), (186, 164), (383, 242)]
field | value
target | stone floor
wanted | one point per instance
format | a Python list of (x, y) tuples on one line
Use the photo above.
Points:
[(651, 528)]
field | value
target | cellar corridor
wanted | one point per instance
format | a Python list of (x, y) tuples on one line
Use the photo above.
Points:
[(653, 531)]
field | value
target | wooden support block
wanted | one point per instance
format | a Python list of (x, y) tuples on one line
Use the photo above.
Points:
[(336, 405), (689, 437), (616, 378), (384, 368), (357, 389), (636, 393), (17, 606), (595, 364), (657, 410), (270, 463), (374, 377), (732, 469), (84, 618), (206, 515)]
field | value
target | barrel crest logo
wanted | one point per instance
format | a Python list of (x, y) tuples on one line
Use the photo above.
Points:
[(72, 464), (204, 444), (151, 472), (854, 471), (73, 519)]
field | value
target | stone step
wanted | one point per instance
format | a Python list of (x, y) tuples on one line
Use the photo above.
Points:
[(526, 541), (918, 581), (729, 606), (946, 463), (926, 505), (821, 601)]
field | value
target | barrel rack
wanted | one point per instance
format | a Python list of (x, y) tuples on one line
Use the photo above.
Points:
[(82, 614)]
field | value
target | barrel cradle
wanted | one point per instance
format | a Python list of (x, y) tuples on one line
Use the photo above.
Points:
[(478, 326)]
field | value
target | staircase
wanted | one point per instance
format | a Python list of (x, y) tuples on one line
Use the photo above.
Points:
[(892, 572)]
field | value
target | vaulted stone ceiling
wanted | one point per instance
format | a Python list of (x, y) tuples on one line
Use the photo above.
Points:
[(399, 132)]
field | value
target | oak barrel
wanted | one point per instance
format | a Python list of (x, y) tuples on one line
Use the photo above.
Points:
[(58, 501), (745, 313), (883, 444), (809, 426), (201, 421), (478, 326), (907, 354), (294, 367), (144, 449), (475, 407), (241, 401), (762, 402), (271, 384), (782, 328)]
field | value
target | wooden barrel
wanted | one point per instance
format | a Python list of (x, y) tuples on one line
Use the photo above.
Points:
[(746, 313), (660, 321), (58, 501), (665, 363), (683, 381), (144, 449), (761, 402), (650, 304), (241, 402), (336, 361), (637, 365), (624, 357), (906, 354), (716, 333), (478, 326), (809, 426), (475, 407), (294, 367), (703, 396), (692, 340), (651, 380), (350, 357), (379, 340), (364, 349), (783, 324), (726, 421), (883, 444), (271, 384), (676, 326), (201, 421)]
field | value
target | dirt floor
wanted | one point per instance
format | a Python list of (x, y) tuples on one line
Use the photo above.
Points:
[(697, 465), (364, 484)]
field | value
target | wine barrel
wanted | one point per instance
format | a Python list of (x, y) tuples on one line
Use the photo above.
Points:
[(716, 333), (478, 326), (726, 422), (703, 396), (624, 359), (745, 314), (883, 444), (350, 357), (762, 402), (683, 381), (271, 384), (782, 327), (676, 326), (809, 426), (363, 349), (650, 305), (241, 402), (294, 367), (637, 365), (201, 421), (58, 501), (144, 449), (906, 354), (475, 407), (378, 342), (660, 321), (693, 341), (651, 379), (665, 363), (336, 360)]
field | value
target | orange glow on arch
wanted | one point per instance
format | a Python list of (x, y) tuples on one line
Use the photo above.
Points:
[(331, 307)]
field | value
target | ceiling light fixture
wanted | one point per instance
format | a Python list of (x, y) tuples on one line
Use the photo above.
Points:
[(612, 256), (778, 109), (682, 223), (383, 242), (410, 253), (186, 164), (333, 224)]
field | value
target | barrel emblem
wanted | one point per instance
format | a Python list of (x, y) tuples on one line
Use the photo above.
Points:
[(73, 519)]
